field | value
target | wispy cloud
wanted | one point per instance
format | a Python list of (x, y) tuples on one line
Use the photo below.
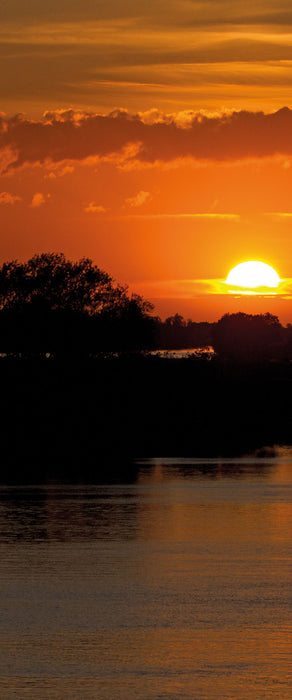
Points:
[(138, 199), (194, 288), (59, 171), (205, 215), (8, 198), (154, 14), (38, 200), (72, 51), (93, 208), (279, 214)]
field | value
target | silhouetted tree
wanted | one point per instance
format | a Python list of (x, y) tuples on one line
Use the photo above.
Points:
[(248, 337), (52, 282), (53, 305)]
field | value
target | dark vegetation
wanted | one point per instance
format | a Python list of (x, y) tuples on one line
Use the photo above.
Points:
[(52, 306), (175, 333), (79, 387)]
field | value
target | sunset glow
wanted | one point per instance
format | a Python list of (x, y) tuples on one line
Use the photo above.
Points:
[(155, 140)]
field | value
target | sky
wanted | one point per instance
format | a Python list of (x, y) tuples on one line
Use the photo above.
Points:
[(153, 137)]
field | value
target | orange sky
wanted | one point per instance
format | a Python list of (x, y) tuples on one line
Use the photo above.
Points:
[(152, 138)]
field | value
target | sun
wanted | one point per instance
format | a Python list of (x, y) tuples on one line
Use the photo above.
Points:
[(253, 275)]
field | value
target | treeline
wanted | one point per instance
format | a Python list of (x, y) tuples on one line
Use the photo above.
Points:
[(238, 337), (51, 306), (176, 332), (244, 337)]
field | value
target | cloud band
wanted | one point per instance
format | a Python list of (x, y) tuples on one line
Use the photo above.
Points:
[(62, 136)]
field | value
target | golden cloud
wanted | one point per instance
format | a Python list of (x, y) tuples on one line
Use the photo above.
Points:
[(226, 137)]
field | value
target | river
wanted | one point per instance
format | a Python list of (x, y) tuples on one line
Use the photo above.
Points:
[(174, 585)]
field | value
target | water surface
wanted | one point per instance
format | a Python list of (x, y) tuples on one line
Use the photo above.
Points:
[(205, 351), (175, 585)]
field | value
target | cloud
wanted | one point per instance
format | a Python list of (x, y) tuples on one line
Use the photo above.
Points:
[(60, 171), (138, 199), (38, 200), (223, 137), (67, 170), (154, 13), (98, 52), (8, 198), (204, 215), (194, 288), (93, 208), (8, 157), (279, 214)]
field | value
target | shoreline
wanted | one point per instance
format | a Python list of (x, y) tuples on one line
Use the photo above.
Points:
[(84, 416)]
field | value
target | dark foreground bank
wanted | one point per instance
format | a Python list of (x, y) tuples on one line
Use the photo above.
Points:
[(80, 418)]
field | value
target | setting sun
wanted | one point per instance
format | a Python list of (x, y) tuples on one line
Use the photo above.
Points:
[(252, 275)]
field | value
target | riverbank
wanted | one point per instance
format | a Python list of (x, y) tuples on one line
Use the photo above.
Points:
[(83, 416)]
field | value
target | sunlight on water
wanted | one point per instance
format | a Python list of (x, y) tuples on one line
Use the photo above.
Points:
[(175, 585), (206, 351)]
